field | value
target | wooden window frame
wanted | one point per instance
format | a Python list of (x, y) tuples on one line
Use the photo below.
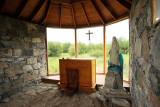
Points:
[(154, 13)]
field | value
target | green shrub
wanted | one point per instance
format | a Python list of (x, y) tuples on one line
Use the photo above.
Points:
[(71, 50), (81, 48), (54, 49), (66, 47), (96, 53)]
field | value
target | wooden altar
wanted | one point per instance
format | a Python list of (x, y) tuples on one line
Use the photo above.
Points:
[(87, 72)]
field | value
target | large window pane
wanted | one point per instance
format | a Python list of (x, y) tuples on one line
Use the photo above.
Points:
[(60, 44), (121, 31), (92, 48)]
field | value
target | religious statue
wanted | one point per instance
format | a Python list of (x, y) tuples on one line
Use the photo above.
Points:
[(114, 76), (114, 53)]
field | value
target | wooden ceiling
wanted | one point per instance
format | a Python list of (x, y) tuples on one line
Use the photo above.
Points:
[(67, 13)]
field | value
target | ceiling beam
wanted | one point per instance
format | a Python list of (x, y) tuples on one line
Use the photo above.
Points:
[(126, 5), (84, 12), (109, 9), (73, 15), (43, 21), (37, 9), (129, 1), (97, 10), (22, 7), (2, 5), (60, 15)]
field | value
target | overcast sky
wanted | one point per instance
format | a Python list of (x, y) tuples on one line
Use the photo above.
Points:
[(120, 29)]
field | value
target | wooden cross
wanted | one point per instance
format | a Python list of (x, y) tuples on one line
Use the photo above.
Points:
[(89, 33)]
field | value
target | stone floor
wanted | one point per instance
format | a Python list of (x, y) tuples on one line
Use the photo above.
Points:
[(48, 95)]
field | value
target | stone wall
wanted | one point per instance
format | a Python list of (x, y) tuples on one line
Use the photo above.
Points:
[(144, 55), (22, 55)]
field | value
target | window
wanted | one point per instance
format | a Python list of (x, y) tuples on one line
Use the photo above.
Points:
[(60, 43), (156, 10), (90, 45)]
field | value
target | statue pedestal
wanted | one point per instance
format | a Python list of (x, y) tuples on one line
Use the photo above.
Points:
[(113, 80)]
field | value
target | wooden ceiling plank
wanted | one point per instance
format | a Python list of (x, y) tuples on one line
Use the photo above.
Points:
[(22, 7), (37, 9), (46, 12), (84, 12), (2, 5), (60, 15), (126, 5), (109, 9), (73, 15), (97, 10)]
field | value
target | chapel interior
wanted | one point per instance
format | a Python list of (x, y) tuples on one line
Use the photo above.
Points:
[(25, 80)]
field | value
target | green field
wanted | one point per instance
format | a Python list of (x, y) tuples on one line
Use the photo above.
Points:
[(54, 63)]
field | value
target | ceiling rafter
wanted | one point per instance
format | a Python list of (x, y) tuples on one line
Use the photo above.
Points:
[(2, 5), (124, 4), (49, 3), (37, 9), (84, 12), (73, 15), (109, 9), (60, 15), (129, 1), (23, 6), (97, 10)]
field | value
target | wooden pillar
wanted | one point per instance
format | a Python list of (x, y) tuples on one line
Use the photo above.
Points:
[(104, 47), (129, 52), (75, 43), (47, 54)]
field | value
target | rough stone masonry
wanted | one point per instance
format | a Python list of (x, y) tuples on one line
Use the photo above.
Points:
[(22, 55), (144, 55)]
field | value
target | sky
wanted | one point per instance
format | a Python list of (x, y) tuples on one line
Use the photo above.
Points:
[(120, 29)]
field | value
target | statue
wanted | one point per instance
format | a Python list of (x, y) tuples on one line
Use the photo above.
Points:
[(114, 76), (114, 53)]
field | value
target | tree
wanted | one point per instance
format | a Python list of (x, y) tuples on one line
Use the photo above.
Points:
[(81, 48), (123, 45), (66, 47), (54, 49), (71, 50)]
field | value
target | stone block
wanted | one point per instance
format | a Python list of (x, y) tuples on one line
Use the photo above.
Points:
[(11, 72), (145, 46), (42, 45), (27, 52), (4, 87), (35, 72), (36, 52), (36, 40), (9, 44), (137, 48), (1, 71), (44, 59), (3, 65), (117, 102), (5, 37), (27, 68), (31, 28), (31, 60), (5, 52), (17, 52), (113, 80), (37, 35), (43, 52), (18, 39), (27, 39), (37, 66)]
